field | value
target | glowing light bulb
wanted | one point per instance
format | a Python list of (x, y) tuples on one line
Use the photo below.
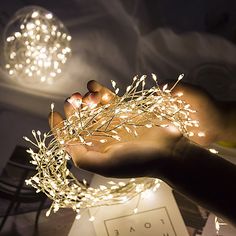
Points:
[(135, 210), (36, 46), (173, 129), (92, 218), (212, 150), (201, 134)]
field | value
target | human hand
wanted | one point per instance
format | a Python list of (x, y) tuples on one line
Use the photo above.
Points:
[(142, 154), (163, 152), (209, 111)]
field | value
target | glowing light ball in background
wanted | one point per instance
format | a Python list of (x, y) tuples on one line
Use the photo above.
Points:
[(36, 45)]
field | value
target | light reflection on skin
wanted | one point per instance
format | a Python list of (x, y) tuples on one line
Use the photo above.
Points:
[(76, 103), (173, 129), (105, 97)]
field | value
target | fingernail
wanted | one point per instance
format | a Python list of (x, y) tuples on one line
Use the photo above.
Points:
[(75, 102), (90, 97), (76, 95), (91, 100), (95, 97), (67, 99), (93, 86)]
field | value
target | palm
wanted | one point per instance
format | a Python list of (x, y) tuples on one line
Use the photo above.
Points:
[(116, 158)]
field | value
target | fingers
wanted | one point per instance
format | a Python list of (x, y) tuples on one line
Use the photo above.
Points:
[(106, 94), (72, 103), (91, 99), (97, 94), (68, 109), (94, 86), (76, 101)]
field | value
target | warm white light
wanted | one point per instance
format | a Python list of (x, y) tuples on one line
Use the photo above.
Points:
[(36, 45), (201, 134), (75, 102), (92, 218), (212, 150), (133, 109), (173, 129), (218, 224), (135, 210), (105, 97)]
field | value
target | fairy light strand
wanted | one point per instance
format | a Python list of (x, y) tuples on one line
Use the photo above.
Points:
[(154, 107)]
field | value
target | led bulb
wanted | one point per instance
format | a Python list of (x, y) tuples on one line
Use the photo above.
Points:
[(36, 45)]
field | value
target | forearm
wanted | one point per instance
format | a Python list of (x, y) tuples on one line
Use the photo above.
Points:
[(205, 178)]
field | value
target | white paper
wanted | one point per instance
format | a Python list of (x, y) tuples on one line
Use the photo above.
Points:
[(158, 215), (150, 223)]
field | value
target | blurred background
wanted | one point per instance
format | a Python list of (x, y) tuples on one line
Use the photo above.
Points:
[(115, 40)]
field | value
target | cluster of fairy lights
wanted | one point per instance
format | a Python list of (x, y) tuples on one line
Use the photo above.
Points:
[(39, 48), (137, 107)]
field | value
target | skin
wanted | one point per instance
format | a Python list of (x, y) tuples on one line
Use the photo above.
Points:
[(164, 153)]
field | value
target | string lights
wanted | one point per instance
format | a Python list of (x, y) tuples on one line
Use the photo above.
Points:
[(36, 45), (89, 125), (36, 48)]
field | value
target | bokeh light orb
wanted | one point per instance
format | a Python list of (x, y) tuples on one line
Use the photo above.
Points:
[(36, 45)]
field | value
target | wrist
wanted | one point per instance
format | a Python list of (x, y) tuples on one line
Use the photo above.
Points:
[(184, 163), (170, 168), (205, 178)]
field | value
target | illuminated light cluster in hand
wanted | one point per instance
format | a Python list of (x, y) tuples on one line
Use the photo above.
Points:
[(138, 106), (36, 45)]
